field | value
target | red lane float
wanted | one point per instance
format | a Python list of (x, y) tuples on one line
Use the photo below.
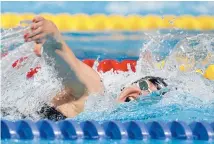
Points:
[(32, 72), (124, 65), (4, 54), (108, 64), (104, 65), (18, 62), (89, 62)]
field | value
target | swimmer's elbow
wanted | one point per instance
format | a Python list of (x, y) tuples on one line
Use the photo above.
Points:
[(87, 75), (90, 78)]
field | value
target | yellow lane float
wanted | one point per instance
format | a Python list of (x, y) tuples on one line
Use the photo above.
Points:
[(209, 72), (101, 22)]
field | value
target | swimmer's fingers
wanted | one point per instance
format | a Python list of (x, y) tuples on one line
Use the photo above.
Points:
[(35, 32), (38, 18), (36, 25), (36, 37)]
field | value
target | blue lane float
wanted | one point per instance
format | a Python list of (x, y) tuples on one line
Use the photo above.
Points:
[(180, 130), (212, 125), (49, 130), (137, 130), (202, 131), (115, 130), (27, 129), (92, 130), (8, 130), (159, 130), (71, 130)]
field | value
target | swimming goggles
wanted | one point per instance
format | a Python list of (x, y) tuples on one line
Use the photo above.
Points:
[(144, 85), (159, 92)]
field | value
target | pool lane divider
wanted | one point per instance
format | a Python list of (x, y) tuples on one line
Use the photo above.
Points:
[(108, 65), (92, 130), (100, 22)]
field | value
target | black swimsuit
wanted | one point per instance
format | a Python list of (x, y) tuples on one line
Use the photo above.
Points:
[(48, 112)]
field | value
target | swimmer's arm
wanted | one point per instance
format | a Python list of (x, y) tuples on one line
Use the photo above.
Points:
[(88, 76), (45, 29)]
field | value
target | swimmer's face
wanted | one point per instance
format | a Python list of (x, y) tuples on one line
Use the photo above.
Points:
[(140, 88)]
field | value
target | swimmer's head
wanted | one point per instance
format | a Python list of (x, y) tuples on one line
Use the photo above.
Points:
[(141, 87)]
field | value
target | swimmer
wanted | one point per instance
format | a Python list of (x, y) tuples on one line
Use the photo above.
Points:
[(66, 104)]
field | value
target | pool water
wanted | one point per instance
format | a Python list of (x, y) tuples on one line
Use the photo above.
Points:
[(184, 102), (122, 45)]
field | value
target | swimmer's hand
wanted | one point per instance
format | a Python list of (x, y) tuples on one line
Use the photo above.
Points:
[(45, 31), (40, 29)]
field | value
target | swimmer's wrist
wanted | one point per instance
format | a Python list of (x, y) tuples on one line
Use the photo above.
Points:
[(55, 33), (53, 42)]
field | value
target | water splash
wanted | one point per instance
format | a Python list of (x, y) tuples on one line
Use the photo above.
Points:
[(191, 96), (186, 101), (20, 95)]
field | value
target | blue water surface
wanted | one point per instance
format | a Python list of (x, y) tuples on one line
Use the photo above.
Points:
[(89, 46)]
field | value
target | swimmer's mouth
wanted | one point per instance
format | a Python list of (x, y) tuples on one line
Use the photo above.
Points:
[(129, 98)]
